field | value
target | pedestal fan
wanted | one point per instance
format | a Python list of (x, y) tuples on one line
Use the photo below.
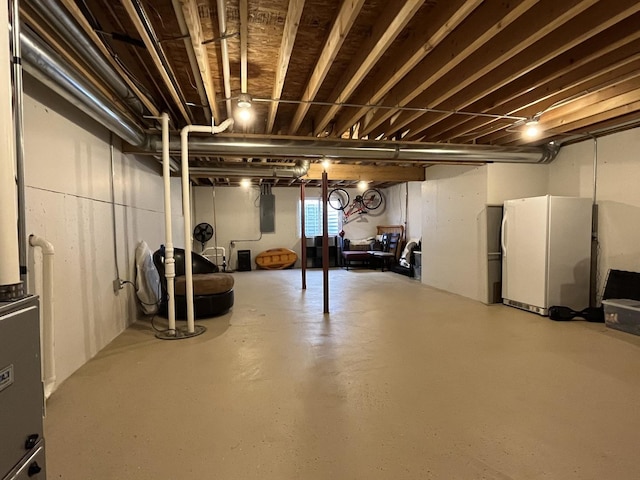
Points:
[(202, 233)]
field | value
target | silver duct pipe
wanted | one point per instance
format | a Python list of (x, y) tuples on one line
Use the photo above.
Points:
[(262, 146), (248, 170), (48, 67), (57, 16)]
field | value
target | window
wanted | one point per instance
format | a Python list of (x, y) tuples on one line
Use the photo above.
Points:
[(313, 218)]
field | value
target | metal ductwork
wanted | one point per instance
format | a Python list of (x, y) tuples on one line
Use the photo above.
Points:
[(262, 146), (248, 170), (56, 15), (47, 66)]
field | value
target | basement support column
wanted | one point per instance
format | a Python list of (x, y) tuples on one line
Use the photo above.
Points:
[(325, 241), (303, 240)]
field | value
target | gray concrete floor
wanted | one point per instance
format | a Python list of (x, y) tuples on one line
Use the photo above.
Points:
[(400, 381)]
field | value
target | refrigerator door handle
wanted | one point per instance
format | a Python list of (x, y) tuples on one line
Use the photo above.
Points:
[(503, 236)]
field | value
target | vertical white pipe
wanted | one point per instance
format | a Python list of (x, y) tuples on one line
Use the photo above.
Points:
[(48, 342), (169, 260), (186, 211), (186, 208), (9, 250), (19, 129)]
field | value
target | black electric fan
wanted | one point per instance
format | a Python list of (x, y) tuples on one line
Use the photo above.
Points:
[(203, 233)]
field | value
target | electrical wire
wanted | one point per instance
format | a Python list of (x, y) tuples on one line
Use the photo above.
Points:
[(156, 304)]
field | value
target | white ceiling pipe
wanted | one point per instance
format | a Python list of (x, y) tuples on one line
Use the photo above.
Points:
[(226, 69), (186, 208), (169, 260), (48, 340), (10, 284)]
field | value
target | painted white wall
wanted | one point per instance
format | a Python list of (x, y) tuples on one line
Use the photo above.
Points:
[(404, 207), (235, 214), (618, 197), (454, 222), (506, 181), (68, 202), (454, 198)]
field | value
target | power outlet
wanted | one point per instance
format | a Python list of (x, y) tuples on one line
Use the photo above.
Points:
[(117, 285)]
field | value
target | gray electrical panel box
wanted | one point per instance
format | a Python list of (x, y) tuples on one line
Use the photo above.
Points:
[(267, 213)]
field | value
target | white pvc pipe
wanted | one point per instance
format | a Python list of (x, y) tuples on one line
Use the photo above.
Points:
[(224, 50), (186, 207), (169, 260), (9, 251), (48, 343)]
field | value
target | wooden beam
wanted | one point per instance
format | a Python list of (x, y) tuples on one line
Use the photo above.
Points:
[(553, 43), (372, 173), (588, 60), (343, 23), (595, 107), (549, 95), (192, 19), (489, 19), (151, 49), (447, 18), (291, 25), (389, 25)]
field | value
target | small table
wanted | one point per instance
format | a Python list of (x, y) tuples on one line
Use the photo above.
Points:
[(385, 258)]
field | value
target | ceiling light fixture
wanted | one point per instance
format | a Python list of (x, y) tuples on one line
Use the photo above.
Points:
[(532, 129), (244, 107), (362, 185), (244, 100)]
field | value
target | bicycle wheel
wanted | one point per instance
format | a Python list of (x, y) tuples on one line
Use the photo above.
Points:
[(372, 199), (338, 198)]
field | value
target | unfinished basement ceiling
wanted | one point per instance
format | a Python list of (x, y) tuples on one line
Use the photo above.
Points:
[(456, 71)]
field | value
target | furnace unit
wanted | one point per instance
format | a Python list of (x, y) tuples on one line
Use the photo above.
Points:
[(21, 392)]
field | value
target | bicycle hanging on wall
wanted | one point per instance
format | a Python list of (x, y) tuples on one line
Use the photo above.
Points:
[(366, 203)]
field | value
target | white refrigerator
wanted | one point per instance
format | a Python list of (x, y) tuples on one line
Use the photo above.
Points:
[(546, 252)]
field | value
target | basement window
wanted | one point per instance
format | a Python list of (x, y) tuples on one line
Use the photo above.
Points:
[(313, 218)]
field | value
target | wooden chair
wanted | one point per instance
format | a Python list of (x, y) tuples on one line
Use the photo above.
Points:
[(389, 254)]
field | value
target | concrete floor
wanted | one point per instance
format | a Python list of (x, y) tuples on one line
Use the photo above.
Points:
[(400, 381)]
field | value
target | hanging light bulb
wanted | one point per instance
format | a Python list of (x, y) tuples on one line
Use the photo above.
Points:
[(244, 107), (531, 129)]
